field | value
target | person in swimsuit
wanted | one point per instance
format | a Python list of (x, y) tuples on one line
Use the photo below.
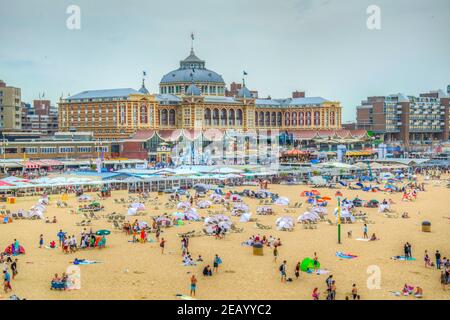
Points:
[(315, 294), (193, 285), (297, 270), (162, 245), (354, 292), (275, 253)]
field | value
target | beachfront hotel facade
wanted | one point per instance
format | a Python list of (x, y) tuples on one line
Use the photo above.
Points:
[(191, 98), (408, 120)]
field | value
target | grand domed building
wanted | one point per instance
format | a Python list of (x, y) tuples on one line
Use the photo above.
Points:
[(192, 70), (192, 104)]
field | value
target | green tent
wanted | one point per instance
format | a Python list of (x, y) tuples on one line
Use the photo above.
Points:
[(308, 264)]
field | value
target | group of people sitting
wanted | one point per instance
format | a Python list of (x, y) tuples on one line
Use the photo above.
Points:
[(270, 241), (61, 283)]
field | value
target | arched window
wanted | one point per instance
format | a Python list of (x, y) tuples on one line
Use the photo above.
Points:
[(279, 119), (317, 118), (164, 117), (240, 117), (332, 118), (294, 119), (256, 119), (231, 117), (122, 116), (261, 119), (223, 117), (287, 119), (308, 118), (216, 117), (301, 119), (267, 119), (172, 117), (144, 115), (208, 117), (273, 119)]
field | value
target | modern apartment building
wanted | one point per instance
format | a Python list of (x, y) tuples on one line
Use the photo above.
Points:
[(10, 108), (41, 117), (410, 120)]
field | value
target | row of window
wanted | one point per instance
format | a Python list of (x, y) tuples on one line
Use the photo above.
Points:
[(50, 150), (205, 89)]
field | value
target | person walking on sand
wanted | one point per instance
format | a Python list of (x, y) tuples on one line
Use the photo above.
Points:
[(438, 259), (162, 244), (315, 294), (193, 285), (409, 250), (6, 281), (365, 230), (41, 241), (354, 292), (283, 271), (275, 253), (14, 268)]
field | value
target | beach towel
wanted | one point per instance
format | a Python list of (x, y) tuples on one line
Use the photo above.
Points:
[(84, 262), (320, 271), (184, 297), (403, 258), (362, 239), (345, 255), (48, 247)]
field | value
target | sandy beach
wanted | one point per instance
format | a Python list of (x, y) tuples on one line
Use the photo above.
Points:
[(139, 271)]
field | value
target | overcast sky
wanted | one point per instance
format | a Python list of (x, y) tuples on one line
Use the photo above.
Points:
[(321, 46)]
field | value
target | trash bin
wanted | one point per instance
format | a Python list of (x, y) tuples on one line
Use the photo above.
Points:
[(258, 249), (426, 226)]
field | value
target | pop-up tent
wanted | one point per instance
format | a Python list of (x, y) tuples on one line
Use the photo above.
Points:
[(204, 204), (308, 264), (8, 250), (285, 223), (245, 217), (220, 220), (282, 201)]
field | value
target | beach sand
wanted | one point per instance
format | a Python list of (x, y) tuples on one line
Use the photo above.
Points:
[(140, 271)]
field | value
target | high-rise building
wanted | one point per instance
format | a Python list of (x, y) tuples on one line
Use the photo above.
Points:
[(41, 117), (10, 108), (410, 120)]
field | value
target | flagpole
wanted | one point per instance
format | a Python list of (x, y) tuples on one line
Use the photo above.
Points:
[(339, 220)]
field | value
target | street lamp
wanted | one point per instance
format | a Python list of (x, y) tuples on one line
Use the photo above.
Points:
[(4, 144)]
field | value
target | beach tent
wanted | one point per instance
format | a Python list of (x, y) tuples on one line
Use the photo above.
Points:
[(308, 264), (285, 223), (282, 201), (84, 197), (164, 221), (384, 208), (132, 211), (203, 204), (307, 216), (183, 205), (221, 220), (245, 217), (138, 206), (8, 249), (191, 215), (216, 198), (264, 210), (320, 211)]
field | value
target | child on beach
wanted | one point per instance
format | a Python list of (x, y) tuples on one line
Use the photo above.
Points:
[(315, 294), (365, 230), (162, 244), (41, 241)]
